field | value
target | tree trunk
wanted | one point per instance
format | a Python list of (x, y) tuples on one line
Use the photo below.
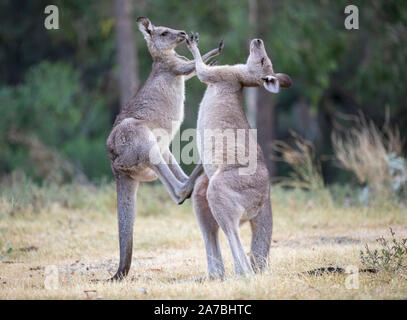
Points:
[(266, 132), (266, 114), (251, 92), (126, 50)]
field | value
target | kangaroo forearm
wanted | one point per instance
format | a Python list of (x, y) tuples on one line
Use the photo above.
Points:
[(193, 73), (200, 66), (211, 54), (188, 69), (190, 75), (198, 170), (205, 73)]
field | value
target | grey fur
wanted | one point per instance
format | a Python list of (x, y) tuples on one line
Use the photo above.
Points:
[(222, 197), (132, 143)]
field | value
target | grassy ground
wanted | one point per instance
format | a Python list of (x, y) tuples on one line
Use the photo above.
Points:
[(73, 229)]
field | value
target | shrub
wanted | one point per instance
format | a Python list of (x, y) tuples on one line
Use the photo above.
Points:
[(52, 121), (391, 256)]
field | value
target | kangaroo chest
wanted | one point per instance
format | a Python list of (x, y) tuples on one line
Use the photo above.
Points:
[(222, 127), (172, 105), (161, 103)]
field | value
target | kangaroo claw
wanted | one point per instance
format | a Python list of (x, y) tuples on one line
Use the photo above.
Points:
[(192, 39), (221, 45)]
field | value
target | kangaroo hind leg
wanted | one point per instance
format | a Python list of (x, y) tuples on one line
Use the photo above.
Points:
[(126, 189), (209, 228), (227, 211), (261, 226)]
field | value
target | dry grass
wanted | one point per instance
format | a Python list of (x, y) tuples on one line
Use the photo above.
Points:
[(364, 150), (306, 169), (74, 228)]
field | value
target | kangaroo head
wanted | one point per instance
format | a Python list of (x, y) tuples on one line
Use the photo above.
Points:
[(261, 70), (160, 40)]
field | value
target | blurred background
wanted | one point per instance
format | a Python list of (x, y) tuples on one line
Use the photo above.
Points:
[(60, 90)]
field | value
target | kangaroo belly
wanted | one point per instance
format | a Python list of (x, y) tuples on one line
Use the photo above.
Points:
[(225, 137)]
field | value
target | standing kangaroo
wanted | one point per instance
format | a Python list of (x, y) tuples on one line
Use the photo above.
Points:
[(133, 145), (223, 196)]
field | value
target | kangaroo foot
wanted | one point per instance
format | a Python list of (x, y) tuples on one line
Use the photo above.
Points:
[(185, 193)]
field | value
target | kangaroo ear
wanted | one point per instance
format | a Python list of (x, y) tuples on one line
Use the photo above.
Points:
[(285, 80), (145, 26)]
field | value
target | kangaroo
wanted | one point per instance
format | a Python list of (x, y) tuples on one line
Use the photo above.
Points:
[(223, 196), (138, 144)]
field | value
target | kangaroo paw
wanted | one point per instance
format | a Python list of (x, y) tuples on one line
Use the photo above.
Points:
[(221, 45), (214, 62), (193, 39)]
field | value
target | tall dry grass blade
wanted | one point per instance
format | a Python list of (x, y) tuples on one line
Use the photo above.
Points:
[(364, 150), (306, 169)]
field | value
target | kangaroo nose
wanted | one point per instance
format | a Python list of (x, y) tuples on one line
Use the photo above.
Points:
[(259, 41)]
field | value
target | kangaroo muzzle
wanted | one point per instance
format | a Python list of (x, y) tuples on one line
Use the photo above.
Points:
[(182, 35)]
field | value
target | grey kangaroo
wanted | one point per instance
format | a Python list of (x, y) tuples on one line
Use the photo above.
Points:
[(133, 145), (223, 196)]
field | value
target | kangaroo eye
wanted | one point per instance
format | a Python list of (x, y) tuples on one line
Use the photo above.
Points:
[(164, 33), (262, 61)]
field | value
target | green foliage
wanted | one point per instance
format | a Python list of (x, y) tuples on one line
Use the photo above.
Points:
[(5, 250), (60, 85), (398, 172), (391, 255), (50, 105), (306, 46)]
